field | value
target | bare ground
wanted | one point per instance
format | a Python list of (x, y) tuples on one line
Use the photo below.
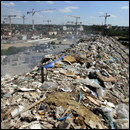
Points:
[(6, 46)]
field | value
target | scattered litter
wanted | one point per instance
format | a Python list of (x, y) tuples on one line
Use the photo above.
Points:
[(84, 87)]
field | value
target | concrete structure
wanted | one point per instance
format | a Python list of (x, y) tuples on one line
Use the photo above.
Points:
[(64, 28), (53, 32), (34, 37), (81, 28), (109, 26), (22, 37), (2, 57), (69, 32)]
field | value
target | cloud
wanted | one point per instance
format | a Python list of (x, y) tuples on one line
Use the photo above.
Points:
[(68, 1), (39, 15), (125, 7), (111, 15), (39, 2), (14, 12), (67, 9), (23, 1), (47, 11), (101, 12), (49, 2), (8, 4), (92, 17)]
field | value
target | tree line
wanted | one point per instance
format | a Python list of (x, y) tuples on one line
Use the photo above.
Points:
[(13, 50)]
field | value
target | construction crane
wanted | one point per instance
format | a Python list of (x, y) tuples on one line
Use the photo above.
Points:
[(9, 16), (72, 24), (23, 23), (48, 24), (33, 12), (105, 17), (76, 21), (62, 28), (105, 22), (23, 16), (3, 26)]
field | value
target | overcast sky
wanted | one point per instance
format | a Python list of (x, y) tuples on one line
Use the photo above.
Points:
[(88, 11)]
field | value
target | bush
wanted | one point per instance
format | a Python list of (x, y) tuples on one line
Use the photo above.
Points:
[(4, 52), (12, 50), (53, 43)]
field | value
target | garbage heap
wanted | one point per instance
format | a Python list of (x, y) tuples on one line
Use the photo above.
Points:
[(84, 87)]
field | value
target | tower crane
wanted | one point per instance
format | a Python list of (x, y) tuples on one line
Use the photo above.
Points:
[(23, 16), (72, 24), (48, 24), (76, 21), (105, 17), (4, 23), (105, 21), (9, 16), (62, 28), (3, 26), (33, 12)]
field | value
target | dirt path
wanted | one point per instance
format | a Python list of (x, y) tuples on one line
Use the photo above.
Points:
[(6, 46)]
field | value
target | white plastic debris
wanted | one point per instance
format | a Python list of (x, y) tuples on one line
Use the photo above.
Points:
[(37, 84), (26, 89), (90, 82), (8, 94), (17, 110)]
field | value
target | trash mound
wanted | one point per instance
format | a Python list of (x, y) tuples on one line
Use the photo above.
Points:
[(83, 87)]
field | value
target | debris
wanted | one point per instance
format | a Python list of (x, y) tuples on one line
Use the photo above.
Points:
[(92, 100), (83, 87), (69, 58), (29, 107)]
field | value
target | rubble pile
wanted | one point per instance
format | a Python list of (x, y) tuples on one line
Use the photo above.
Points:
[(84, 87)]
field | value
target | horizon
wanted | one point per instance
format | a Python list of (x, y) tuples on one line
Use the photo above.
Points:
[(88, 11)]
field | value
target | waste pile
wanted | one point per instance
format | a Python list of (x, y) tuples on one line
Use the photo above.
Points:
[(83, 87)]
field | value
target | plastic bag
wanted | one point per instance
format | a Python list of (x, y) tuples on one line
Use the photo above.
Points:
[(123, 123), (122, 111)]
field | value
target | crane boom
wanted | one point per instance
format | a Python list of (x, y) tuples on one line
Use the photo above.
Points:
[(9, 16), (76, 21), (74, 16), (105, 21), (33, 12)]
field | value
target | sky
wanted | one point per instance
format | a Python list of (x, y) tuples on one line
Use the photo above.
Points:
[(58, 12)]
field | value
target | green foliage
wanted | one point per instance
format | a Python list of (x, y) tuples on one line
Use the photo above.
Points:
[(111, 32), (60, 42), (4, 52), (52, 43), (124, 39), (13, 50)]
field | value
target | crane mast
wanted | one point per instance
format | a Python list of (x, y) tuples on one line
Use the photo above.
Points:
[(72, 24), (33, 12), (76, 21), (48, 24), (9, 16), (105, 22)]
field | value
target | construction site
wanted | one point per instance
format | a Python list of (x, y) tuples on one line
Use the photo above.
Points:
[(66, 80)]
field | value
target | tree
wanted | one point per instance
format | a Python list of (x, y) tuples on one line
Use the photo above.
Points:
[(52, 42), (12, 50), (60, 42)]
